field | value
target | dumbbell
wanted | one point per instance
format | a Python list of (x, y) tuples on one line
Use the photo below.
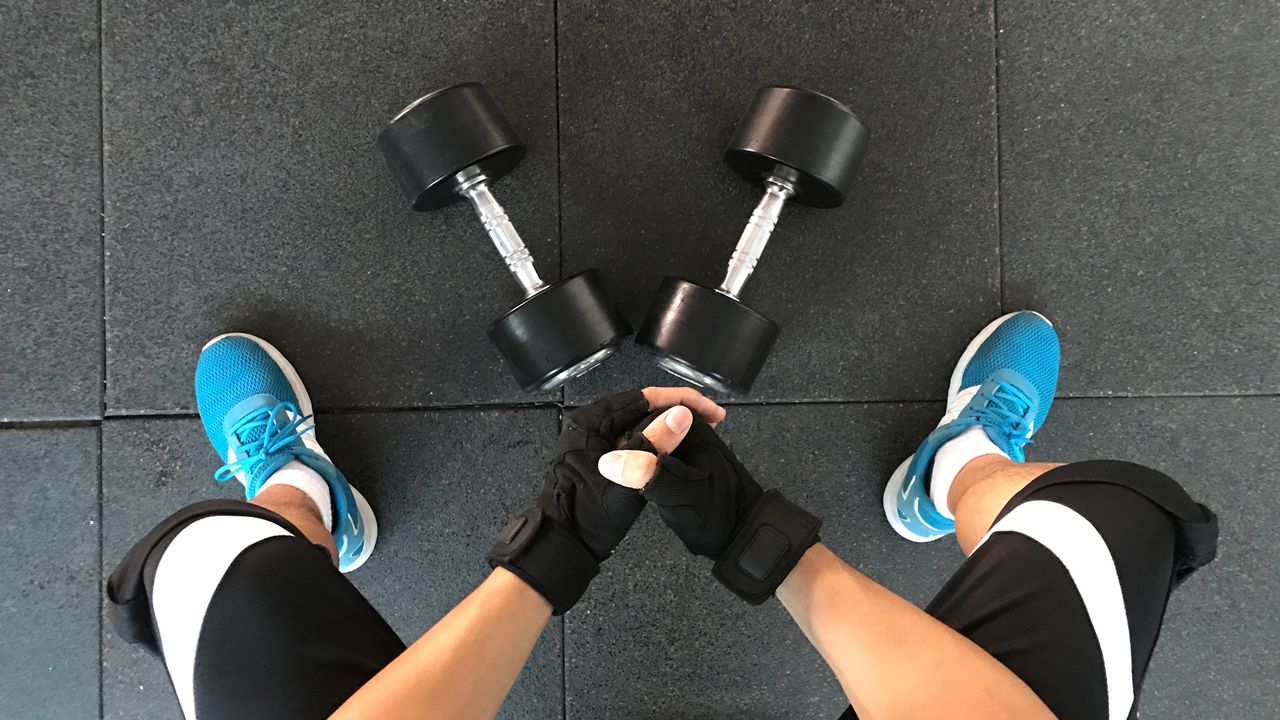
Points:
[(798, 145), (452, 145)]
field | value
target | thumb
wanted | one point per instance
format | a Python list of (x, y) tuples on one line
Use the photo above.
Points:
[(629, 468)]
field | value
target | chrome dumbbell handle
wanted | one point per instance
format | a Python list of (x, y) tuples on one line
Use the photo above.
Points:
[(756, 235), (519, 261)]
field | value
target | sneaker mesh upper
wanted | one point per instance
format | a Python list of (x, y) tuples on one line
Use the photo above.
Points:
[(1027, 344), (229, 371)]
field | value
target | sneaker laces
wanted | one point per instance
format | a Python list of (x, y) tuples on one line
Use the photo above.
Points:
[(1007, 409), (262, 434)]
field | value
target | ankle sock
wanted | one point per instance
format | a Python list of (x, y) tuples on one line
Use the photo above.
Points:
[(951, 458), (296, 475)]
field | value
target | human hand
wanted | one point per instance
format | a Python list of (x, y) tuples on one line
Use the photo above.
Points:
[(580, 517), (709, 499), (575, 493)]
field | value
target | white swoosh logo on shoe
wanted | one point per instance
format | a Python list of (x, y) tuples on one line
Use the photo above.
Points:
[(906, 488), (342, 543)]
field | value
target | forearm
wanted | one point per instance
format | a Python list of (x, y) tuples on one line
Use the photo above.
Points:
[(465, 665), (892, 659)]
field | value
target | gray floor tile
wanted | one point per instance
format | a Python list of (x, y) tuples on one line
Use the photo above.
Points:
[(50, 201), (244, 192), (658, 637), (1138, 189), (864, 292), (443, 483), (1216, 656), (48, 589)]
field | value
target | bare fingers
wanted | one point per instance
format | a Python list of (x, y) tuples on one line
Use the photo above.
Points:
[(634, 468), (665, 397), (668, 429)]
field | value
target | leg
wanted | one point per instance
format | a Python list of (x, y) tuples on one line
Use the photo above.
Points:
[(251, 618), (244, 600), (1068, 587), (293, 505), (1070, 566), (982, 489)]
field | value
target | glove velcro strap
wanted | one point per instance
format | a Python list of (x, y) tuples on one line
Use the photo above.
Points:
[(775, 534), (547, 556)]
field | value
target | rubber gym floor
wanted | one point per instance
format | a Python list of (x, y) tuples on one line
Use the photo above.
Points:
[(172, 170)]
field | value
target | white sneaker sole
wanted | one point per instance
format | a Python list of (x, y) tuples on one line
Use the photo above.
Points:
[(304, 406)]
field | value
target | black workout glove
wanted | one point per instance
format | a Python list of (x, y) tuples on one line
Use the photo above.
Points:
[(557, 545), (718, 510)]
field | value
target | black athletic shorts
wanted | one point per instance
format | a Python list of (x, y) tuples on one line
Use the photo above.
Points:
[(1068, 591)]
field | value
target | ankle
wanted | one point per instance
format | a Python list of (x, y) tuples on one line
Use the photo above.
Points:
[(975, 472), (952, 457), (296, 475), (290, 503), (299, 510)]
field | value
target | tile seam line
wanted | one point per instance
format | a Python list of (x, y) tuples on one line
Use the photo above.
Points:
[(100, 585), (37, 423), (900, 401), (102, 388), (71, 423), (349, 410), (555, 44), (50, 423), (555, 52), (102, 210), (564, 627), (999, 160), (555, 56)]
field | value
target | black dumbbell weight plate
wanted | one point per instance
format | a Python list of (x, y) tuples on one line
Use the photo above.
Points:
[(560, 333), (706, 337), (440, 135), (817, 138)]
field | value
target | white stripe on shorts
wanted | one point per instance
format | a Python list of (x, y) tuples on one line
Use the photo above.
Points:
[(187, 575), (1078, 546)]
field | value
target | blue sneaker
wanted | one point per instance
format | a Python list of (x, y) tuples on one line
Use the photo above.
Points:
[(257, 414), (1004, 383)]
